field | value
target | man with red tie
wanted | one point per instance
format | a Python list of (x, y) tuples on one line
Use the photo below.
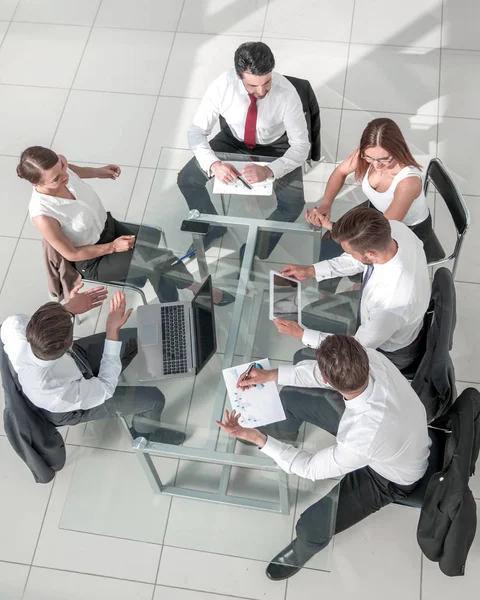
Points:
[(264, 117)]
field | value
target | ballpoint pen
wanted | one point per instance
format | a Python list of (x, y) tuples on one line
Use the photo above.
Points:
[(249, 370), (175, 262), (247, 185)]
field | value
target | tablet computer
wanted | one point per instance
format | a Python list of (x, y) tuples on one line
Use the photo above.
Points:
[(285, 297)]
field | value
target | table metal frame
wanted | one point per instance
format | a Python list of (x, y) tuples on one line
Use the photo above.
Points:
[(228, 459)]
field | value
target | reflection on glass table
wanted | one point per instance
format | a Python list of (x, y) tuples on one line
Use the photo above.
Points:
[(244, 490)]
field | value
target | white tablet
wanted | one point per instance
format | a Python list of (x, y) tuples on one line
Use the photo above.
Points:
[(285, 300)]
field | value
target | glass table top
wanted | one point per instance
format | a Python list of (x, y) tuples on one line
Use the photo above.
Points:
[(209, 465)]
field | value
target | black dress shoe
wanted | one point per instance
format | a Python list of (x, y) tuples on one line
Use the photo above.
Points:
[(162, 435), (288, 562)]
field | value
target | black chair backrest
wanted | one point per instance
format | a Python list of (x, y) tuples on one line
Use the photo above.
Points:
[(434, 380), (444, 184)]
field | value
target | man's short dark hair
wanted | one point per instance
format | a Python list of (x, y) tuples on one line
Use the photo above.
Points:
[(364, 228), (50, 331), (343, 363), (254, 57)]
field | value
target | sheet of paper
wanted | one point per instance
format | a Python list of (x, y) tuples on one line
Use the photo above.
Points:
[(260, 405), (265, 188)]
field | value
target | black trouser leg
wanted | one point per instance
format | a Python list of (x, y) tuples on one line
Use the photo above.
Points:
[(146, 403), (290, 204), (192, 180), (321, 407), (362, 492), (91, 347)]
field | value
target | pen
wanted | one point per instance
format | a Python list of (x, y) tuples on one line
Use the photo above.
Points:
[(249, 370), (247, 185), (175, 262)]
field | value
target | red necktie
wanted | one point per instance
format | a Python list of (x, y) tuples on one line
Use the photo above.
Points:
[(251, 123)]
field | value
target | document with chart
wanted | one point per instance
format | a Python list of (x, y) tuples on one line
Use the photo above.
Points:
[(261, 404)]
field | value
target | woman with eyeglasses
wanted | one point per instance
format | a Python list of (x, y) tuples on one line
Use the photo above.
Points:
[(391, 180)]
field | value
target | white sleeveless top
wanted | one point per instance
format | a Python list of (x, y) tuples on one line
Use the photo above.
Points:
[(417, 213), (82, 220)]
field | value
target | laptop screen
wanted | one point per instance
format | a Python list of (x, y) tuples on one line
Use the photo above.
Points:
[(203, 314)]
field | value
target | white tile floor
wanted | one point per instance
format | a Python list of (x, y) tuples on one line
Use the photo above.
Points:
[(84, 76)]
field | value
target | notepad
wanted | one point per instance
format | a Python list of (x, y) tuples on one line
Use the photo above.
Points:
[(264, 188), (258, 406)]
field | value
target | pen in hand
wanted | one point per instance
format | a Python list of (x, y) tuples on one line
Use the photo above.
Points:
[(247, 185)]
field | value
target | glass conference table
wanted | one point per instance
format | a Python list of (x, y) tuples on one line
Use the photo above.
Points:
[(243, 490)]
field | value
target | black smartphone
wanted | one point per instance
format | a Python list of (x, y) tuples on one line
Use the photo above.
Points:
[(193, 226)]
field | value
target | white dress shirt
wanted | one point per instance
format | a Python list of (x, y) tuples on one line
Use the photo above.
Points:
[(279, 112), (82, 220), (395, 298), (384, 428), (58, 385)]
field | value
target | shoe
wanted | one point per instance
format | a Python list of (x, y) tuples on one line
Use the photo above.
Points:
[(227, 299), (287, 562), (162, 435)]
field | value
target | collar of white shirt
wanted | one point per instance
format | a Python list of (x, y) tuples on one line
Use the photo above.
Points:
[(359, 404), (38, 361)]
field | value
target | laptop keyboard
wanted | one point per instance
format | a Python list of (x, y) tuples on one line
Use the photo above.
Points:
[(174, 343)]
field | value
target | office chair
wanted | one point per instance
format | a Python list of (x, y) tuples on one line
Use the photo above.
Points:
[(433, 375), (439, 177)]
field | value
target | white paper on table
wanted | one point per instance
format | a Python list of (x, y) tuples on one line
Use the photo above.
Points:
[(258, 406), (264, 188)]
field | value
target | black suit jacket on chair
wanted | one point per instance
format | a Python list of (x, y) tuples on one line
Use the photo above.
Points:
[(311, 112), (448, 519), (434, 380), (36, 441)]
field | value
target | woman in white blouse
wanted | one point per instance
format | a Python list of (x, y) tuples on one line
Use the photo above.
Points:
[(391, 180), (72, 219)]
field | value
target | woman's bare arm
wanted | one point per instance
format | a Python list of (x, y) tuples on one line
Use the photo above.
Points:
[(52, 232), (405, 193)]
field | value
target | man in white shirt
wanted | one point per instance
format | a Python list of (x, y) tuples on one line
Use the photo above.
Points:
[(76, 381), (381, 449), (395, 291), (264, 117)]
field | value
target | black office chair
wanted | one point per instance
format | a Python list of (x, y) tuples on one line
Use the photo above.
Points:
[(433, 375), (439, 177), (36, 441)]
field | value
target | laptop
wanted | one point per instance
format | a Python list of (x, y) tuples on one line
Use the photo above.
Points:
[(177, 339)]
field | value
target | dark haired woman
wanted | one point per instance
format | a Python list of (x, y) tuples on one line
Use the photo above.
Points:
[(391, 180), (72, 219)]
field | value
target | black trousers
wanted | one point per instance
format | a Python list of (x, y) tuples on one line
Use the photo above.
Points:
[(145, 402), (288, 189), (165, 279), (361, 493)]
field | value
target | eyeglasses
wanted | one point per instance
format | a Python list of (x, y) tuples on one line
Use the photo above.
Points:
[(380, 161)]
